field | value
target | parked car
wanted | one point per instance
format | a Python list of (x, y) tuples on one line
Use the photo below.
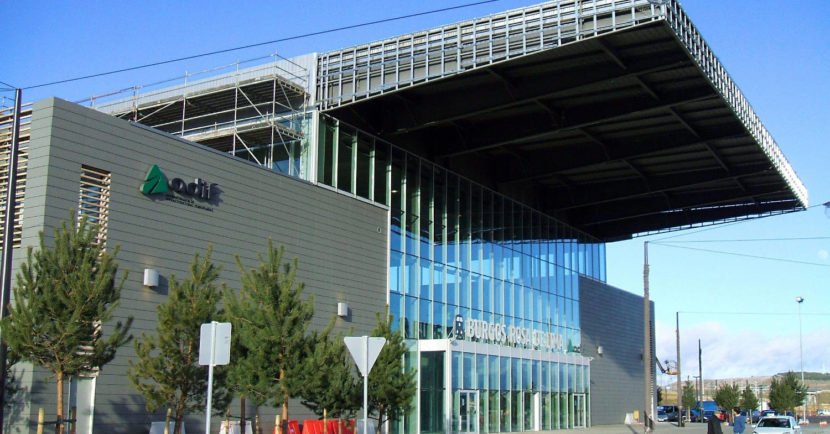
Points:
[(766, 413), (668, 408), (694, 416), (754, 417), (661, 415), (709, 408), (777, 425)]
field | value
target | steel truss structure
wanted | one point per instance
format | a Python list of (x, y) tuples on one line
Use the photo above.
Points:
[(613, 115), (254, 113)]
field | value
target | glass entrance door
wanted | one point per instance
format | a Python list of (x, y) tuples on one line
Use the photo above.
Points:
[(468, 406), (579, 410)]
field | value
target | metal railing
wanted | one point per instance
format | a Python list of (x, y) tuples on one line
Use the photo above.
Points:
[(363, 71), (688, 34)]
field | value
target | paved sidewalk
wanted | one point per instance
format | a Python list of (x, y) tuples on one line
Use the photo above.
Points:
[(666, 427), (662, 427)]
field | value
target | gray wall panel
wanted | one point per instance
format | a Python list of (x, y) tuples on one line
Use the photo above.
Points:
[(341, 252), (612, 318)]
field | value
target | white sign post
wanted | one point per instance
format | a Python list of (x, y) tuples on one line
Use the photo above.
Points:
[(214, 349), (365, 351)]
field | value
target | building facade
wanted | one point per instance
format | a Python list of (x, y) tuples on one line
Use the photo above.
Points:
[(463, 179)]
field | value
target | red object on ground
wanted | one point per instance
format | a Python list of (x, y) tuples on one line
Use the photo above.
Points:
[(312, 426), (292, 427), (316, 426)]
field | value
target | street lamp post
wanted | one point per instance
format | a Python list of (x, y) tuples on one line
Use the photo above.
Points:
[(801, 356)]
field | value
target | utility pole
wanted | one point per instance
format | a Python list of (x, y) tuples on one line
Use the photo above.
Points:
[(700, 375), (801, 356), (679, 386), (648, 359), (8, 241)]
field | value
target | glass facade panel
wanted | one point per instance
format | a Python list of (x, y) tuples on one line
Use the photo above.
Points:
[(345, 146), (458, 248), (432, 392), (363, 169)]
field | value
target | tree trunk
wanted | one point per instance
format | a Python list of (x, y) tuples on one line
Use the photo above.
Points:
[(242, 413), (59, 424), (179, 416), (284, 397)]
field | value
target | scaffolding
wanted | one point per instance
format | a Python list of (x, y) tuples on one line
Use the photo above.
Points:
[(255, 113), (6, 127)]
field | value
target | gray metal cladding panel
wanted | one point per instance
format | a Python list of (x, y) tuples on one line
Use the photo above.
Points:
[(340, 242), (612, 318)]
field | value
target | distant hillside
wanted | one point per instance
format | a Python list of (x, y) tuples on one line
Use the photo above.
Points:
[(813, 376)]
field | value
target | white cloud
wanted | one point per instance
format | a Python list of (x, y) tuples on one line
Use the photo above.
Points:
[(740, 354)]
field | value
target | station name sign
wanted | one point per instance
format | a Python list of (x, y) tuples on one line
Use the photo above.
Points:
[(156, 183), (502, 334)]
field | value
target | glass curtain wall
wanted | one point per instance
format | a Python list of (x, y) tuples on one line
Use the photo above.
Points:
[(457, 248), (515, 394)]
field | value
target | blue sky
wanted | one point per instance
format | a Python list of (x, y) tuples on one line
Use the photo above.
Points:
[(742, 308)]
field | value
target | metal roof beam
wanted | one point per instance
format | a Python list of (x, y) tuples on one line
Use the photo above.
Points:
[(694, 132), (588, 119), (651, 149), (611, 52), (483, 104), (618, 190), (708, 200), (663, 222)]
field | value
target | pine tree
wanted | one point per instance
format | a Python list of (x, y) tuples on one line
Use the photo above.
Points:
[(787, 392), (727, 397), (167, 371), (333, 385), (749, 401), (270, 320), (688, 398), (391, 387), (64, 297)]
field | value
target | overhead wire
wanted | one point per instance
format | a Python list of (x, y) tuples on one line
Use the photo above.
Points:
[(745, 255), (259, 44), (747, 240), (751, 313)]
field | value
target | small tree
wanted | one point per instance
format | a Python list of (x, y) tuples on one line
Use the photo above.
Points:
[(64, 296), (170, 359), (786, 392), (689, 397), (270, 320), (334, 386), (749, 401), (659, 395), (391, 386), (727, 397)]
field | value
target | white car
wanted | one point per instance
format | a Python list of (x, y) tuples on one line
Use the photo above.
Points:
[(777, 425)]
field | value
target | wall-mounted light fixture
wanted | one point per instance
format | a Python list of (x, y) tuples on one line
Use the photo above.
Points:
[(599, 350), (151, 277), (342, 309)]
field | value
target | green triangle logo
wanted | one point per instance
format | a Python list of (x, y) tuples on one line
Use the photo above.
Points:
[(155, 182)]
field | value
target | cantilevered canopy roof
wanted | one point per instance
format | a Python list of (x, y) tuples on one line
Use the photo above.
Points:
[(622, 122)]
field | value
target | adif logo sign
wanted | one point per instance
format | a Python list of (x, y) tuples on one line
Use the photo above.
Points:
[(156, 183)]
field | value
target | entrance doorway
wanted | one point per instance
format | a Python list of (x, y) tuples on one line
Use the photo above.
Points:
[(579, 410), (468, 411)]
